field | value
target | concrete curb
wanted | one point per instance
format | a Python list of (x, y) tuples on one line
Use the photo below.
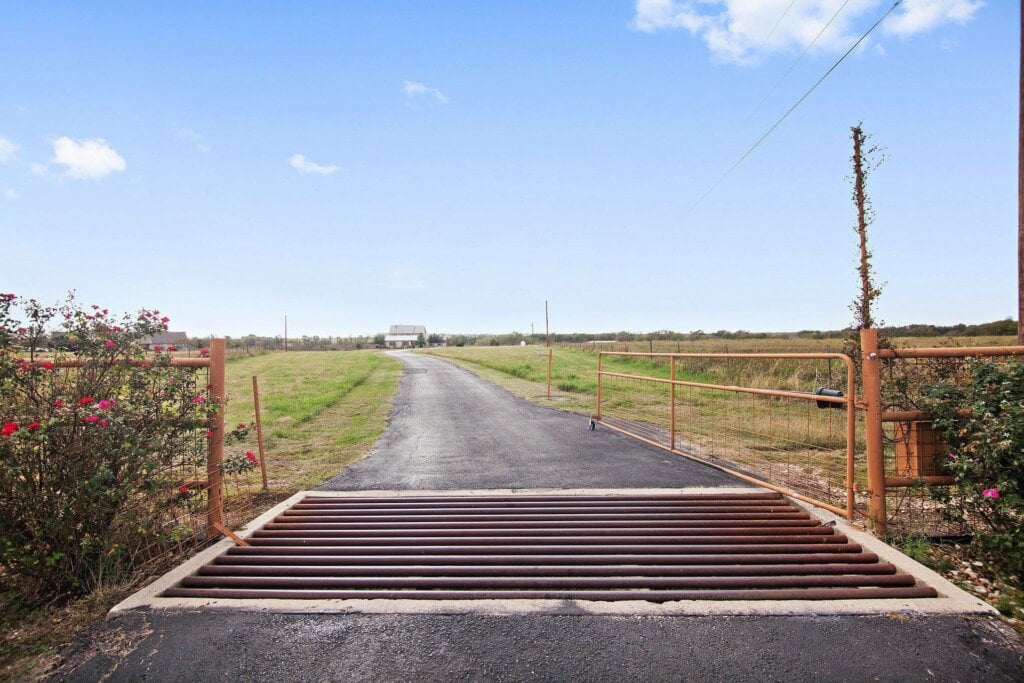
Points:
[(951, 601)]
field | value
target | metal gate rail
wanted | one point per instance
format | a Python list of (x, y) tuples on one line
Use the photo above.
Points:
[(737, 546)]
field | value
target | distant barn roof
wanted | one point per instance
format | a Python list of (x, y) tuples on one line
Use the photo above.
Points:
[(407, 329)]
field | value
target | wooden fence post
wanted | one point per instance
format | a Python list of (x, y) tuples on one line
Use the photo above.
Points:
[(259, 430), (872, 379), (214, 474), (549, 373)]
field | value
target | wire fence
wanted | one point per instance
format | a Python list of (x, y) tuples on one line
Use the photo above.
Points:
[(804, 423), (913, 453), (756, 415)]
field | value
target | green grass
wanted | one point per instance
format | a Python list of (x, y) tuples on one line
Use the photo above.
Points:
[(321, 410)]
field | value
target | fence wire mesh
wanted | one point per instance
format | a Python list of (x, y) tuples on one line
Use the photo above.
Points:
[(913, 453), (787, 441)]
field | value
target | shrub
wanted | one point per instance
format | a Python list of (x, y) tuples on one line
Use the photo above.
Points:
[(86, 483), (982, 423)]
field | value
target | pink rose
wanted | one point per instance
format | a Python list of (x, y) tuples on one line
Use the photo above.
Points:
[(992, 493)]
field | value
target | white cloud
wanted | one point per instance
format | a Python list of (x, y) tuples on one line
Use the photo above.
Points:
[(86, 159), (37, 168), (919, 16), (417, 91), (195, 138), (303, 165), (10, 194), (741, 31), (8, 150)]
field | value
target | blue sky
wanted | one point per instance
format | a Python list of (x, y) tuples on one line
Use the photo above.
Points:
[(455, 164)]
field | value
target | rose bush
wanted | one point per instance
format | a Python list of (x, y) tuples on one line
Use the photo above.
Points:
[(982, 423), (91, 457)]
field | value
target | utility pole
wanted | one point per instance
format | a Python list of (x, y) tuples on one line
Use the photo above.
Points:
[(286, 322), (1020, 189), (547, 330)]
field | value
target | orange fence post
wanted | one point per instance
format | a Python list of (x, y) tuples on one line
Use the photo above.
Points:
[(851, 437), (214, 474), (871, 373), (672, 412), (259, 430)]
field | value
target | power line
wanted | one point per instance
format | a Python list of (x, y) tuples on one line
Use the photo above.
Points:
[(772, 32), (797, 60), (793, 108)]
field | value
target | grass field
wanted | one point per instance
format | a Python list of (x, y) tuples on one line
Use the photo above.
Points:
[(321, 412)]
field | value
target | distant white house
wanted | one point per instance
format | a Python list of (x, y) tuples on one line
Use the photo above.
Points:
[(404, 336)]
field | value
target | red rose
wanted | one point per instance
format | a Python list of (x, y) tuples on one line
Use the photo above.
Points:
[(9, 428), (34, 426), (251, 457), (183, 490), (47, 365), (158, 347), (172, 347), (58, 403), (85, 401)]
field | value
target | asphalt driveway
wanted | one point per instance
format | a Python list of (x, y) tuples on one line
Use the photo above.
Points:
[(450, 429)]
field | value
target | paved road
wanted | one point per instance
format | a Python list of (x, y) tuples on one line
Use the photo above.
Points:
[(451, 430)]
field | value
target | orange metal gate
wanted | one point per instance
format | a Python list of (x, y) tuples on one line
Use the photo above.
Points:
[(682, 437), (867, 472)]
